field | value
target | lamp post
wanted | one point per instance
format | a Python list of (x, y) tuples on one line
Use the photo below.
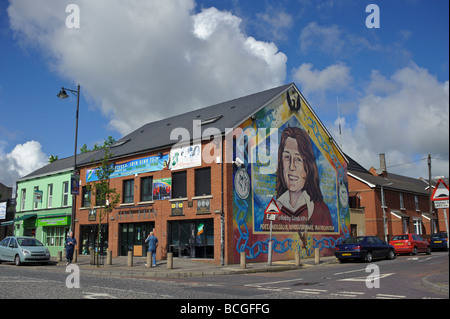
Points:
[(383, 206), (63, 95)]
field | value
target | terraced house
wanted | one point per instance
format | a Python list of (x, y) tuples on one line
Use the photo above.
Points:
[(44, 204)]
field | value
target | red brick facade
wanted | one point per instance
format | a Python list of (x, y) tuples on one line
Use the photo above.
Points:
[(159, 212)]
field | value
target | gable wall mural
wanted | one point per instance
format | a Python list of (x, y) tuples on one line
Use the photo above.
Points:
[(285, 155)]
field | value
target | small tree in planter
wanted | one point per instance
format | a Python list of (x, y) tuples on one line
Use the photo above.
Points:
[(106, 198)]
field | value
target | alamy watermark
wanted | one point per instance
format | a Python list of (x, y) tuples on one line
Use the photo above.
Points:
[(373, 19)]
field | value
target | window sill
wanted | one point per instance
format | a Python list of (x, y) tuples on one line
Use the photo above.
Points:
[(202, 197), (178, 199)]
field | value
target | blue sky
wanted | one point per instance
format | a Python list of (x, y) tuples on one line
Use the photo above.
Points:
[(140, 61)]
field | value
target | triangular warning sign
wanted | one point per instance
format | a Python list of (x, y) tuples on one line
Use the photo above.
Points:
[(440, 192), (272, 208)]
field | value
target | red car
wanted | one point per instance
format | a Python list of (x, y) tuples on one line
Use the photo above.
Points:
[(410, 244)]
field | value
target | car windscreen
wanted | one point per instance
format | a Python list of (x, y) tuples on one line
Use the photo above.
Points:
[(439, 236), (354, 240), (29, 242), (400, 237)]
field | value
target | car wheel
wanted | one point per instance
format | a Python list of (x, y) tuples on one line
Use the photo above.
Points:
[(17, 261), (391, 254), (368, 257)]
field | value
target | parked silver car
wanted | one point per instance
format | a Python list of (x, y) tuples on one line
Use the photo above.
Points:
[(23, 250)]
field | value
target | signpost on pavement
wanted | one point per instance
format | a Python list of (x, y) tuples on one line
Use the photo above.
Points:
[(271, 213), (440, 198)]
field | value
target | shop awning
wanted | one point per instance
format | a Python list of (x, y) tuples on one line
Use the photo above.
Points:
[(23, 217)]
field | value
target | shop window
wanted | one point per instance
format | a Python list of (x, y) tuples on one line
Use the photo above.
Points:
[(128, 191), (146, 189), (179, 185), (55, 236), (203, 181)]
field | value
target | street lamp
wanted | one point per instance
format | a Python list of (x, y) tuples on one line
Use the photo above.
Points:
[(383, 206), (63, 95)]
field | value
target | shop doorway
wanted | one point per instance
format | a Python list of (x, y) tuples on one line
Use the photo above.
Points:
[(192, 239), (132, 237)]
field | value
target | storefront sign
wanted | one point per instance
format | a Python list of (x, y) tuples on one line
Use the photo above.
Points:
[(131, 215), (143, 165), (3, 210), (55, 221)]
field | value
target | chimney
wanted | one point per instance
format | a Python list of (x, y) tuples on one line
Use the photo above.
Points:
[(383, 171)]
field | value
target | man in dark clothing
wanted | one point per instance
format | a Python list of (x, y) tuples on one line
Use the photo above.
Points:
[(70, 247)]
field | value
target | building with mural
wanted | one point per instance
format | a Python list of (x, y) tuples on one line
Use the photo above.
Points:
[(288, 155), (202, 182)]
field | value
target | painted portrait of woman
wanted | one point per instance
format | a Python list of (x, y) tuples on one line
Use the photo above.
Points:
[(298, 184)]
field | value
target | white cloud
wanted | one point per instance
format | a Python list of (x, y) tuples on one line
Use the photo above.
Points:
[(333, 78), (144, 60), (406, 117), (22, 160)]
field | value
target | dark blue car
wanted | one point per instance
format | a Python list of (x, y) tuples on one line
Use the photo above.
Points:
[(439, 241), (365, 248)]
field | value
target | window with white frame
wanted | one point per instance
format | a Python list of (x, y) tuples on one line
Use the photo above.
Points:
[(416, 201), (418, 226), (65, 194), (24, 197), (50, 196), (35, 200)]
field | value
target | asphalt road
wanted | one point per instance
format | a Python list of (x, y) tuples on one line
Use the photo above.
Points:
[(384, 279)]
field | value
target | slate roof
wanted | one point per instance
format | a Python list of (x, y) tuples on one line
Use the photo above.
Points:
[(399, 183), (156, 135)]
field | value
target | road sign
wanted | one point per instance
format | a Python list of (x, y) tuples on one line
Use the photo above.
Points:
[(440, 192), (441, 204), (272, 208)]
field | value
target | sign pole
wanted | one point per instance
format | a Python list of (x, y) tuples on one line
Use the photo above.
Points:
[(270, 245), (271, 212)]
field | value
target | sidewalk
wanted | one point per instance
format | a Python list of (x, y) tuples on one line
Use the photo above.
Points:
[(183, 267)]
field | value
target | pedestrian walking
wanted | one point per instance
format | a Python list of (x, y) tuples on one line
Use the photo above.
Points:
[(70, 247), (152, 245)]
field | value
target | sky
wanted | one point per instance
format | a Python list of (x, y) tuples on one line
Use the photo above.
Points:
[(380, 74)]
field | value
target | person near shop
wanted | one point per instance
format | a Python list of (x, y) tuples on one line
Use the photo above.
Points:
[(71, 242), (152, 245)]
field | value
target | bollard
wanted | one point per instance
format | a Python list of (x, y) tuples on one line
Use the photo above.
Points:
[(317, 255), (130, 259), (75, 256), (92, 255), (297, 258), (59, 256), (149, 260), (109, 257), (243, 260), (169, 260)]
